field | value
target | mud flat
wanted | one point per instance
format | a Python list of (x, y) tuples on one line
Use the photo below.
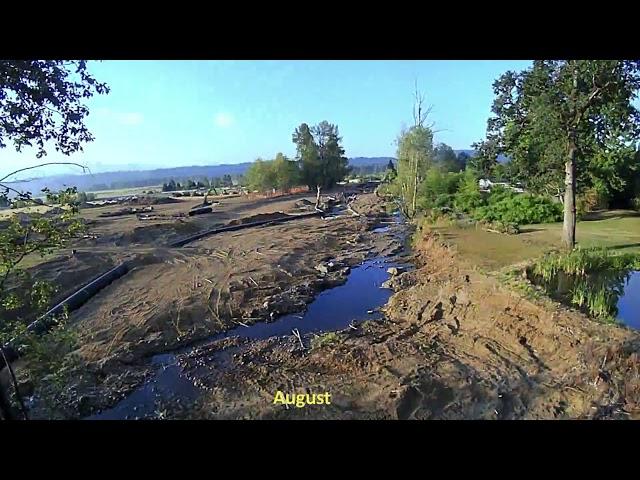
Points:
[(177, 296), (454, 344)]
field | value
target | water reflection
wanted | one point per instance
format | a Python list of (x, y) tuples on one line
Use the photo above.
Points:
[(613, 294)]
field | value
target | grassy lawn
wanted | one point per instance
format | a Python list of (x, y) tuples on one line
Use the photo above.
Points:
[(618, 230)]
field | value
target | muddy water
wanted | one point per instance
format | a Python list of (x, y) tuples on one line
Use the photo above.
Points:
[(356, 300)]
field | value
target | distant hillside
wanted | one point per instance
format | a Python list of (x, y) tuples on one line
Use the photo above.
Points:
[(127, 179), (472, 153), (143, 178), (362, 161)]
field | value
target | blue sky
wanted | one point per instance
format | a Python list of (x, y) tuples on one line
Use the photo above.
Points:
[(173, 113)]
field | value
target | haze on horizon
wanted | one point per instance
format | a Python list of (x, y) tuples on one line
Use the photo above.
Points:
[(163, 114)]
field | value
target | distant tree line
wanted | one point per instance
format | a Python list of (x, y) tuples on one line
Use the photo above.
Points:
[(191, 184), (84, 197)]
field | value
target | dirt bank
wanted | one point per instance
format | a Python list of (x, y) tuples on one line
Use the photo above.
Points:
[(456, 345)]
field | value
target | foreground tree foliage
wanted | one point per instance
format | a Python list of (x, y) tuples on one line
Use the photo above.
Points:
[(41, 105), (41, 101), (567, 125)]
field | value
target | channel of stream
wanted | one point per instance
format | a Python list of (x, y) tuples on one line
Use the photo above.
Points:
[(358, 299)]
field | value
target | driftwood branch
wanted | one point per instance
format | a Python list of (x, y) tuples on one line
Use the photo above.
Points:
[(296, 333), (317, 207)]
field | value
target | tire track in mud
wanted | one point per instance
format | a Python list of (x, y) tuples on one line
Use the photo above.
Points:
[(126, 407)]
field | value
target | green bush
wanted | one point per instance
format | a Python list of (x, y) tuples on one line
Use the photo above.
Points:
[(502, 209), (468, 196), (83, 197), (507, 207), (437, 189), (594, 198)]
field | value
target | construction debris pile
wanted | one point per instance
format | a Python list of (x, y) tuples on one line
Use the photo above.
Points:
[(127, 211)]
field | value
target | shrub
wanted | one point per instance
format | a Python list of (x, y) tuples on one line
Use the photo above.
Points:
[(324, 339), (468, 196), (437, 189), (508, 207), (594, 198)]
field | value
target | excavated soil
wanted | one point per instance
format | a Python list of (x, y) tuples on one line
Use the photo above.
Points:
[(175, 296), (455, 345)]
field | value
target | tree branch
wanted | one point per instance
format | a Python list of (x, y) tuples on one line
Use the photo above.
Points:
[(83, 167)]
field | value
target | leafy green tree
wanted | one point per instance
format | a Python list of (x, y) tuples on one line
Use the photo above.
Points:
[(463, 159), (279, 174), (261, 176), (468, 196), (41, 103), (391, 167), (320, 154), (287, 172), (415, 157), (390, 173), (567, 125), (486, 157), (446, 158), (438, 188)]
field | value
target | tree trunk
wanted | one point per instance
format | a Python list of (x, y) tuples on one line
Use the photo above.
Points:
[(415, 187), (5, 408), (569, 225)]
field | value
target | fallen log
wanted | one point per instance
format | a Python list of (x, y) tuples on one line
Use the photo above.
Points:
[(232, 228), (200, 211)]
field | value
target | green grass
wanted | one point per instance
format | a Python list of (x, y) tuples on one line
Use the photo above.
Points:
[(100, 194), (618, 231), (591, 279), (328, 338)]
